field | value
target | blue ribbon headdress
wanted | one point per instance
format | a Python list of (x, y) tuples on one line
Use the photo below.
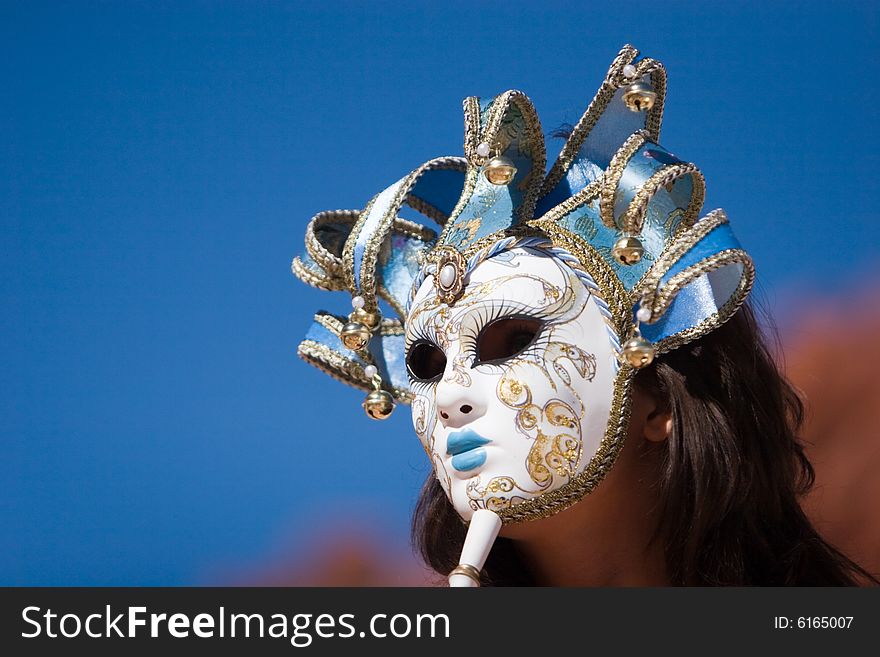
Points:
[(617, 207)]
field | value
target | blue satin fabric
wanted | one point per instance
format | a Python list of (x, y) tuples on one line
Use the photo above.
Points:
[(492, 208), (585, 222), (440, 188), (381, 205), (398, 265), (321, 334), (703, 297), (662, 220), (387, 352), (613, 128), (720, 238), (315, 268), (580, 174), (692, 305), (648, 160), (390, 350)]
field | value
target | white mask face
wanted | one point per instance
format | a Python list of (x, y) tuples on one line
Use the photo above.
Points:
[(513, 383)]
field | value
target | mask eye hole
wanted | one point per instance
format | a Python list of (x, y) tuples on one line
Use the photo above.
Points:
[(425, 361), (506, 337)]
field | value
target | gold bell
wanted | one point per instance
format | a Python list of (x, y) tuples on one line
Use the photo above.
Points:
[(628, 250), (370, 320), (638, 352), (379, 404), (639, 97), (499, 170), (355, 336)]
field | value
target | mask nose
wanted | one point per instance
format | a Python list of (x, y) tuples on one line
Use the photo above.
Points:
[(457, 405)]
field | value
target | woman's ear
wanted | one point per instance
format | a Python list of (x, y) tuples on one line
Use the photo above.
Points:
[(658, 425), (651, 418)]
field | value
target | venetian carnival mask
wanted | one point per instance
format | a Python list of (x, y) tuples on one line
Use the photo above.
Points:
[(513, 383), (515, 332)]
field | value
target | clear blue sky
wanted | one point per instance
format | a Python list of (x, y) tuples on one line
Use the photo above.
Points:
[(160, 160)]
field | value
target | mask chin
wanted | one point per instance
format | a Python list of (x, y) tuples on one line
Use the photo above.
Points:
[(516, 421)]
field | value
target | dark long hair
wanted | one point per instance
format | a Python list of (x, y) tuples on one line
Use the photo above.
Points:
[(730, 480)]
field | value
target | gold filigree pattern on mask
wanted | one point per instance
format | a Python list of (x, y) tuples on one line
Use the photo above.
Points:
[(584, 363), (444, 321), (551, 452), (554, 425), (459, 374), (496, 495)]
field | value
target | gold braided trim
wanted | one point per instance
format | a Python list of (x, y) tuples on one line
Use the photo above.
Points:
[(654, 120), (421, 205), (715, 320), (426, 209), (368, 284), (342, 369), (470, 183), (334, 324), (614, 79), (377, 238), (534, 137), (471, 107), (614, 173), (391, 327), (348, 249), (572, 203), (612, 290), (412, 229), (330, 322), (311, 277), (331, 278), (646, 289), (547, 504), (682, 279), (638, 207), (473, 137), (329, 262)]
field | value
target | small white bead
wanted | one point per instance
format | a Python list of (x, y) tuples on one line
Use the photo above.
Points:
[(370, 371), (643, 314), (629, 71), (483, 150), (447, 275), (357, 302)]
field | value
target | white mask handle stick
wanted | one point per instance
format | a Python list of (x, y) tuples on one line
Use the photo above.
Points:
[(481, 535)]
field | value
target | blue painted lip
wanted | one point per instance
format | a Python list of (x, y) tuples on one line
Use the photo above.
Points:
[(473, 458), (463, 441)]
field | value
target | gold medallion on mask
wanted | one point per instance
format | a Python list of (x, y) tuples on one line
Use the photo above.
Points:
[(449, 274)]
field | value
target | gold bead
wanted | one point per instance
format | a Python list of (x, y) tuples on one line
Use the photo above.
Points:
[(355, 336), (639, 97), (370, 320), (628, 250), (499, 170), (379, 404), (638, 352)]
